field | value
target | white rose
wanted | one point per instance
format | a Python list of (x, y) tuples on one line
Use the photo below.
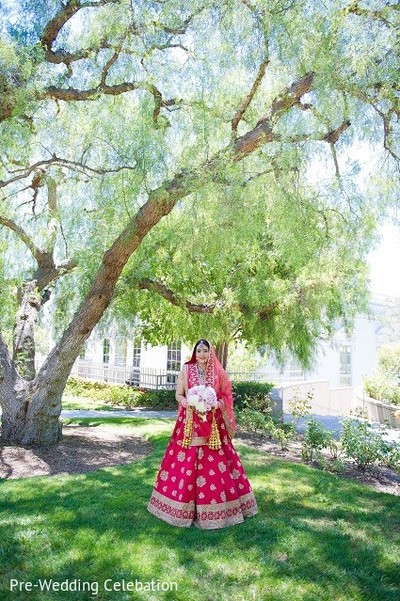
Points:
[(198, 404), (193, 399)]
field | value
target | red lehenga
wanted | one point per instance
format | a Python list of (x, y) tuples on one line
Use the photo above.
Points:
[(200, 485)]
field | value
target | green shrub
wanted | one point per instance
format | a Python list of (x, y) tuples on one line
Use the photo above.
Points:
[(121, 394), (336, 465), (392, 457), (282, 433), (362, 444), (246, 394), (384, 385), (116, 394), (315, 438), (159, 399), (253, 420), (300, 406), (383, 388), (252, 394), (334, 447), (389, 359)]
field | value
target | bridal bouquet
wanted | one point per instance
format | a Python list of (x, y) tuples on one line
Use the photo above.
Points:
[(202, 399)]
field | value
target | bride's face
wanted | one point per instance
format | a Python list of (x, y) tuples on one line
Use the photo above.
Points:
[(202, 354)]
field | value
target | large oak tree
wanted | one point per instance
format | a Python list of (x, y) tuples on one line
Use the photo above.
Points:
[(209, 152)]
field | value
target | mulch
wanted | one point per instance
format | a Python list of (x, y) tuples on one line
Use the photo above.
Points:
[(82, 449)]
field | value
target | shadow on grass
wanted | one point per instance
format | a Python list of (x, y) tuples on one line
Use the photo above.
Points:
[(316, 538)]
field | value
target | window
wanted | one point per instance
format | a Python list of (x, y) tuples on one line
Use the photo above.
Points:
[(134, 377), (174, 356), (345, 366), (120, 352), (137, 348), (106, 350)]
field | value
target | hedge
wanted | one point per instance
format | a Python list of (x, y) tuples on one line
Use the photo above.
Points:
[(379, 387), (120, 394), (384, 385), (246, 394), (254, 395)]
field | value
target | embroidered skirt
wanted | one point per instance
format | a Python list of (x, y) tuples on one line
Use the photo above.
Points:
[(200, 486)]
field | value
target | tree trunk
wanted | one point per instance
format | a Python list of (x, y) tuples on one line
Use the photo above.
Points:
[(221, 350), (26, 424), (24, 331), (31, 409)]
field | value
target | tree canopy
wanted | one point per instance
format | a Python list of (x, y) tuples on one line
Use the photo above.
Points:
[(213, 152)]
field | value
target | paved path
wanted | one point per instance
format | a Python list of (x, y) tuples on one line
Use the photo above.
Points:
[(146, 413)]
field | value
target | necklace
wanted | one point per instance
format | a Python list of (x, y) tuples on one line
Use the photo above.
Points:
[(202, 374)]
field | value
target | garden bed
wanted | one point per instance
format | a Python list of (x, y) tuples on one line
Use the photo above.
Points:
[(82, 449), (380, 478)]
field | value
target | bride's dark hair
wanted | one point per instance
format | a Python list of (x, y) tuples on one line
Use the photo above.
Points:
[(201, 341)]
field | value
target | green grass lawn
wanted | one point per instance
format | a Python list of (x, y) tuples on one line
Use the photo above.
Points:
[(78, 402), (317, 537)]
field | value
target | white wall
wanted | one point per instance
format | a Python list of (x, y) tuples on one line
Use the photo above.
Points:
[(151, 357), (327, 365), (364, 342), (364, 355)]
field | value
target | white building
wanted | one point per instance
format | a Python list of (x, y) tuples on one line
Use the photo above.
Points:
[(343, 362), (116, 358), (347, 359)]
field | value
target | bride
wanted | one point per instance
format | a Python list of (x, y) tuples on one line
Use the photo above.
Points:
[(201, 480)]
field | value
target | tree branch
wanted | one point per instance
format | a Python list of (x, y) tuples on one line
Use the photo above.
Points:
[(73, 94), (163, 290), (55, 160), (387, 131), (47, 271), (160, 203), (44, 277), (54, 26), (53, 220), (172, 297), (333, 136), (335, 160), (241, 111), (182, 29), (60, 56), (22, 235), (380, 15), (8, 373), (262, 133), (107, 68)]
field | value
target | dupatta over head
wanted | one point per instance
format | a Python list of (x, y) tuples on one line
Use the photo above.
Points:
[(217, 377)]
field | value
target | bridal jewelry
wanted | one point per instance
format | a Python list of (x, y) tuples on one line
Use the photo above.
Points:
[(214, 442), (202, 375)]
